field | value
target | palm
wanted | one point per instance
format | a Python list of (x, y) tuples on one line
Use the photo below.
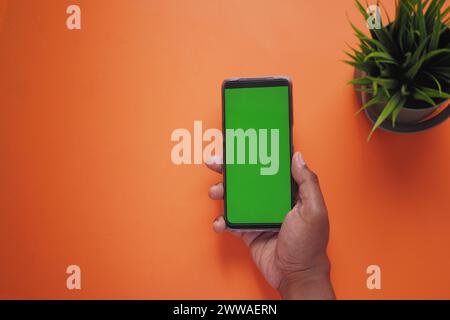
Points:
[(263, 246)]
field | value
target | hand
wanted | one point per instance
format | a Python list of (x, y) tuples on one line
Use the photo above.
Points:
[(294, 261)]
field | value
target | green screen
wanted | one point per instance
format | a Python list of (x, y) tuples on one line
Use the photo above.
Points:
[(258, 178)]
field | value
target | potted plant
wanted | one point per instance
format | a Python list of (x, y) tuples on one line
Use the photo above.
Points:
[(403, 68)]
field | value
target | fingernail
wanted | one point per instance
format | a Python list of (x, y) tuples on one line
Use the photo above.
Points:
[(299, 159), (209, 161)]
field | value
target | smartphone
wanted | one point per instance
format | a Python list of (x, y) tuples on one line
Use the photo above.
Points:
[(257, 152)]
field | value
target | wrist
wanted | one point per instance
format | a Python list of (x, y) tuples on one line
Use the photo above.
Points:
[(310, 284)]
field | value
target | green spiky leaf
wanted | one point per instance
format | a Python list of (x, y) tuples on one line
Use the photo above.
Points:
[(406, 61)]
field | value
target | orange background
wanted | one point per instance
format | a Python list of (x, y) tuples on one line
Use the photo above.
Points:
[(86, 176)]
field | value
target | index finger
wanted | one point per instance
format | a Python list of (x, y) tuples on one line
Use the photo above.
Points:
[(215, 164)]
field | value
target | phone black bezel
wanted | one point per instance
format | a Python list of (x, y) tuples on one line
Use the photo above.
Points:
[(252, 83)]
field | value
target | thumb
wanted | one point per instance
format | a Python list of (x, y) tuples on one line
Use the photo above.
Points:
[(308, 187)]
